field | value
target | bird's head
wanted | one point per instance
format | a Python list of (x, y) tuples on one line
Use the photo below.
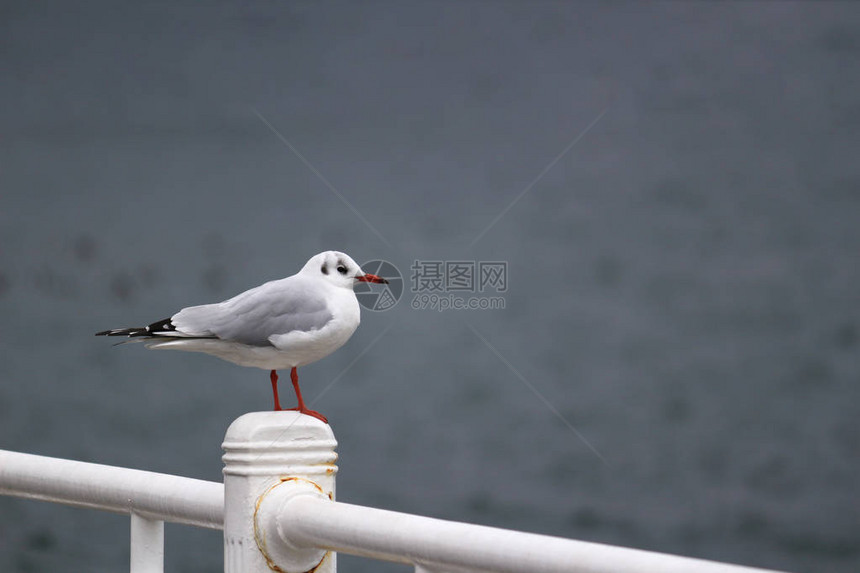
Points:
[(339, 269)]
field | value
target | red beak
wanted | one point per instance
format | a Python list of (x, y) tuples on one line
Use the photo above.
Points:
[(369, 278)]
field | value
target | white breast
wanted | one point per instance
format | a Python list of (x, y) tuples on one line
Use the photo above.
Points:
[(307, 347)]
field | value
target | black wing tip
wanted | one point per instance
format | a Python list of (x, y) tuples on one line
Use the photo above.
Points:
[(165, 325)]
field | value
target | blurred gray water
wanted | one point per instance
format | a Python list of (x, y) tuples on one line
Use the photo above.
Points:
[(683, 282)]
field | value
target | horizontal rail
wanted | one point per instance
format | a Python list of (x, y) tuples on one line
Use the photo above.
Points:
[(148, 494), (280, 512), (438, 545)]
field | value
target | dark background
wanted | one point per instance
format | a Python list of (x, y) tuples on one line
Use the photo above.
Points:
[(683, 281)]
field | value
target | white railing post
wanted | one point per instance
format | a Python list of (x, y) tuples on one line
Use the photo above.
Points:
[(261, 451), (147, 545)]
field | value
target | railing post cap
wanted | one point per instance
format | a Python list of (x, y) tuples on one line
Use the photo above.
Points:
[(279, 443), (277, 426)]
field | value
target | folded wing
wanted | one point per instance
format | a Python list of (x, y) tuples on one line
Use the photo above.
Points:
[(277, 307)]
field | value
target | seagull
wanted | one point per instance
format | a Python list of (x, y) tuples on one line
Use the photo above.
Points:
[(281, 324)]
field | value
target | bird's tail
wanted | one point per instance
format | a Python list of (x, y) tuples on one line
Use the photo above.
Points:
[(162, 326), (137, 331)]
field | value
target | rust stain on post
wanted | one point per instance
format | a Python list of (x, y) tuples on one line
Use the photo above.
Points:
[(259, 537), (318, 565)]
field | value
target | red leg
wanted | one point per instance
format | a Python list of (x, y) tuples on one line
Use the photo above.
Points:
[(274, 378), (294, 376)]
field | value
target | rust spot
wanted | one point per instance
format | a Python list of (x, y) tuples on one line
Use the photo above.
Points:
[(292, 478), (329, 471), (258, 535), (318, 565)]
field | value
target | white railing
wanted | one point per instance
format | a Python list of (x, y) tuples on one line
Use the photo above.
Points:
[(150, 498), (277, 509)]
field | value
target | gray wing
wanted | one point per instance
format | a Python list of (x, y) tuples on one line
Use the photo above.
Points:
[(277, 307)]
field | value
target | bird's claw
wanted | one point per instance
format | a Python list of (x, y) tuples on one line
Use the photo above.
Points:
[(307, 412)]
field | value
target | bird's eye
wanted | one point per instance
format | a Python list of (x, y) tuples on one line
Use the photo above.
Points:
[(341, 269)]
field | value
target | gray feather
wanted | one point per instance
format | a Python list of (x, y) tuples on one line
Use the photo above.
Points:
[(277, 307)]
